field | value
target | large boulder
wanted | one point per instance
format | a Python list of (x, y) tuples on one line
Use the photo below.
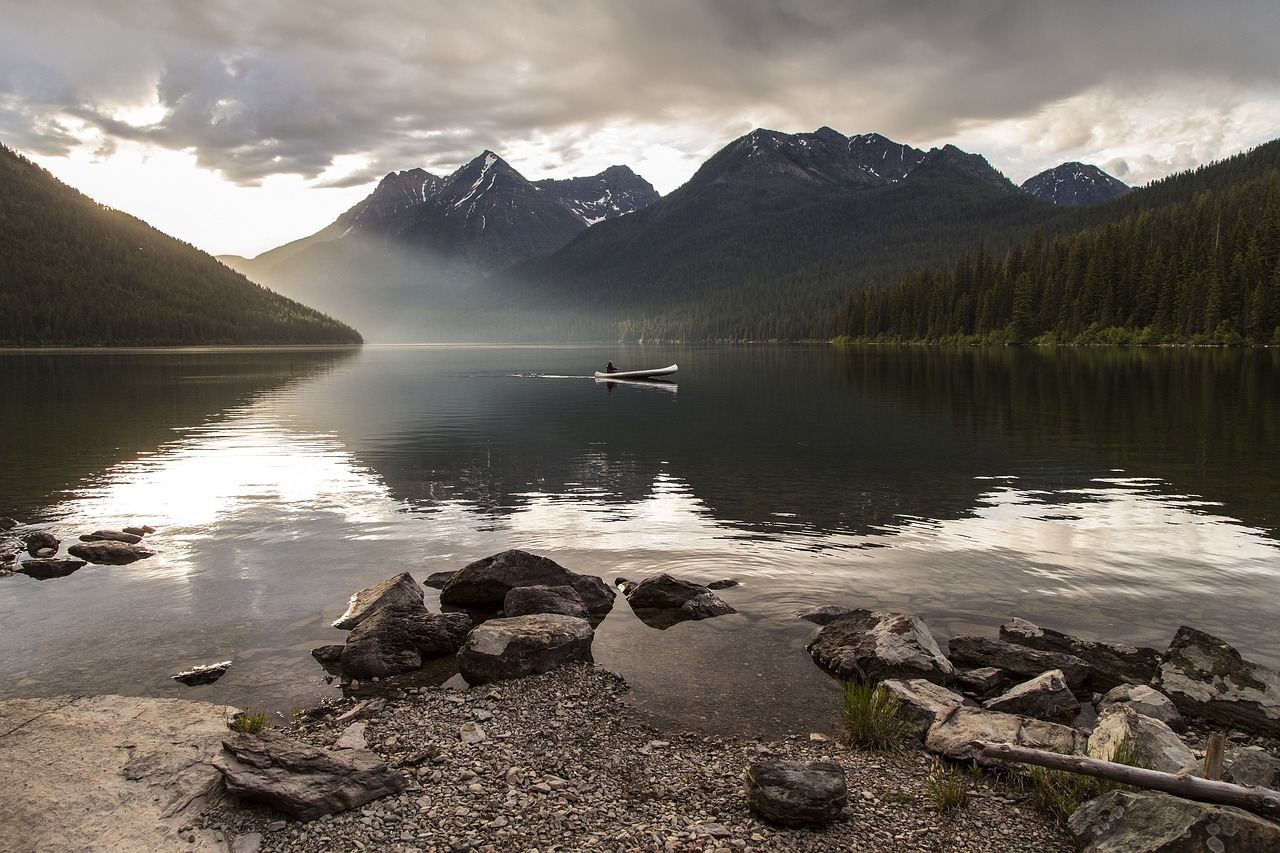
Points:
[(922, 703), (872, 645), (392, 640), (484, 584), (564, 599), (663, 601), (1147, 701), (108, 553), (401, 591), (302, 780), (963, 732), (1206, 677), (796, 793), (1045, 697), (514, 647), (1155, 746), (975, 651), (1110, 663), (1148, 821), (1253, 765)]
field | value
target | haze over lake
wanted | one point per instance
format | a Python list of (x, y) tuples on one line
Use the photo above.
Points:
[(1112, 493)]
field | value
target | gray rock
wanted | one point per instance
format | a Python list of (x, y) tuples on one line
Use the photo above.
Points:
[(922, 703), (824, 615), (484, 584), (723, 583), (7, 523), (401, 591), (1148, 821), (663, 601), (871, 645), (564, 599), (1147, 701), (501, 649), (111, 536), (962, 733), (1206, 677), (1024, 661), (1253, 765), (1156, 745), (982, 681), (139, 530), (1045, 697), (110, 553), (206, 673), (48, 567), (41, 540), (1110, 663), (302, 780), (393, 640), (330, 655), (437, 580), (796, 793)]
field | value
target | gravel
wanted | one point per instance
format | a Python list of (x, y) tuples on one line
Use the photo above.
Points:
[(558, 762)]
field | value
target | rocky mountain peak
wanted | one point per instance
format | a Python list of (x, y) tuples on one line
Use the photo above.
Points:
[(1074, 183)]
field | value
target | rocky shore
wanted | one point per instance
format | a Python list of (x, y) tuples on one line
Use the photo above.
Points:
[(560, 764)]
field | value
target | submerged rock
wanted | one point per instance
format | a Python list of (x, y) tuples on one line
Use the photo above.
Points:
[(111, 536), (663, 601)]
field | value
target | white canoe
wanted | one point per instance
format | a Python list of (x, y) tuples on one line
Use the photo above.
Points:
[(637, 374)]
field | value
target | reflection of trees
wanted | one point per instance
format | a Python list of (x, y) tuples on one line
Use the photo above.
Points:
[(1206, 421), (135, 400)]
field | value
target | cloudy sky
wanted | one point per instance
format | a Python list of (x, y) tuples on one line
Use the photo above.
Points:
[(238, 125)]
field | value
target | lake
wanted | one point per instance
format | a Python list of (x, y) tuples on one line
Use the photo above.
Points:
[(1116, 494)]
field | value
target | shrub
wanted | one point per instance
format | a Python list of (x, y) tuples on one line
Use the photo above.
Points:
[(870, 714)]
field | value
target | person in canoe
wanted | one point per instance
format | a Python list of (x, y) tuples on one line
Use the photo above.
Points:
[(609, 368)]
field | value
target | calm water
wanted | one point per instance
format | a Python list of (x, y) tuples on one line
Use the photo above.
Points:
[(1116, 494)]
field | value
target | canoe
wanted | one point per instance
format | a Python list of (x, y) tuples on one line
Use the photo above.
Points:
[(637, 374)]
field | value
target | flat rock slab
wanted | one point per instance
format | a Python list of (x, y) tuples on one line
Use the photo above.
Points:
[(961, 733), (303, 780), (1111, 664), (107, 773), (48, 567), (108, 553), (1147, 822)]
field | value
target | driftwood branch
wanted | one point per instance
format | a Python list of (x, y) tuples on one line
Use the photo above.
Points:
[(1261, 801)]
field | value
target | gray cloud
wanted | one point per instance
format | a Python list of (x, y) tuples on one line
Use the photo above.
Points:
[(262, 87)]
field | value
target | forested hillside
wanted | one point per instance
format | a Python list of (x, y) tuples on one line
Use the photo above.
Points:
[(76, 273), (1192, 259)]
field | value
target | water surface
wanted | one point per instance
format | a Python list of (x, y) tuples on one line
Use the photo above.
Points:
[(1111, 493)]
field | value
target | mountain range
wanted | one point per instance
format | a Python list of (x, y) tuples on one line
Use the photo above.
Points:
[(485, 254)]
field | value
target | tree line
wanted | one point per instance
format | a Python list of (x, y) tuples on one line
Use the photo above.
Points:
[(1203, 270)]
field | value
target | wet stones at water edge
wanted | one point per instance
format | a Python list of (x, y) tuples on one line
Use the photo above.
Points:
[(483, 585), (205, 673), (663, 601), (46, 568), (43, 547), (1110, 664), (401, 591), (110, 553), (869, 645), (515, 647)]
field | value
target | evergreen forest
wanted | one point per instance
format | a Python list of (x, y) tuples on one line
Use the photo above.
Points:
[(1193, 259), (76, 273)]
